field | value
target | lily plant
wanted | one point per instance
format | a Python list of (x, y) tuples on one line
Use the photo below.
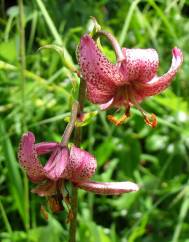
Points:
[(126, 83)]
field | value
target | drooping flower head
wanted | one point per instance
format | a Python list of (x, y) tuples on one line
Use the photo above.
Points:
[(74, 164), (126, 83)]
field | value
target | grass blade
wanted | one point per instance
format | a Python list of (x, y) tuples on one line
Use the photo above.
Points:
[(14, 177)]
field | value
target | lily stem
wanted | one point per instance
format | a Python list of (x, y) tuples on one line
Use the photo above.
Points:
[(71, 124), (114, 43), (77, 141)]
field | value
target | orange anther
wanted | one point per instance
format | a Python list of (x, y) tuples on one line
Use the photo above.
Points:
[(115, 121), (151, 120)]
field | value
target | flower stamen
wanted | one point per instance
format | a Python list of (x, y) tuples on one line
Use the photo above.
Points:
[(150, 119), (55, 204), (115, 121)]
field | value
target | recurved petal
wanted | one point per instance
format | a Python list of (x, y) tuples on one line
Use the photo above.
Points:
[(107, 105), (57, 163), (28, 158), (45, 147), (159, 84), (100, 75), (108, 188), (48, 188), (140, 65), (82, 164)]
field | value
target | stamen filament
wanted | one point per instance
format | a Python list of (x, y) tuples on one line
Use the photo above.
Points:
[(150, 119)]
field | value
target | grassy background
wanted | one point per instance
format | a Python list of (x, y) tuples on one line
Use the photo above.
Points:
[(155, 158)]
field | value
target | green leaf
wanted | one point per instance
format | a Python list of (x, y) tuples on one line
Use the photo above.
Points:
[(156, 142), (57, 48), (104, 151), (16, 185), (53, 232), (8, 50), (173, 102), (129, 155)]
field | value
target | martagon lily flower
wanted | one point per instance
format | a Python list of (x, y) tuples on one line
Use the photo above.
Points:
[(74, 164), (129, 81)]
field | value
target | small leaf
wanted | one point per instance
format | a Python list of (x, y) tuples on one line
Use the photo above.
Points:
[(93, 26), (86, 119), (57, 48), (8, 50), (67, 61)]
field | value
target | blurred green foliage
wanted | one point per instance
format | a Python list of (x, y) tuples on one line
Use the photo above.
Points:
[(157, 158)]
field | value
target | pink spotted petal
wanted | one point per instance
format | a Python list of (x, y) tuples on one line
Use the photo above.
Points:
[(45, 147), (82, 165), (159, 84), (140, 64), (57, 163), (28, 158), (108, 188), (100, 75), (107, 105), (48, 188)]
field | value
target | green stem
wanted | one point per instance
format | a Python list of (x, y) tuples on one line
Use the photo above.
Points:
[(33, 30), (74, 209), (2, 8), (77, 139), (181, 217), (127, 21), (41, 81), (114, 43), (70, 126), (67, 57), (22, 59), (23, 83), (81, 95), (49, 22), (5, 219)]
